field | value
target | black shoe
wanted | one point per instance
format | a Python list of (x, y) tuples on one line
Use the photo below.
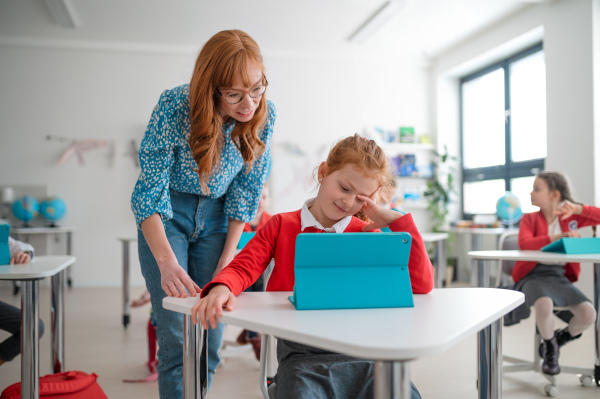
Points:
[(562, 337), (550, 365)]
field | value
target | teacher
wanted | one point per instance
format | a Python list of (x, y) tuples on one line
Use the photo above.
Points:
[(204, 161)]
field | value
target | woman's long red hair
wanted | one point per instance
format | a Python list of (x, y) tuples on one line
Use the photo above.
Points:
[(225, 56)]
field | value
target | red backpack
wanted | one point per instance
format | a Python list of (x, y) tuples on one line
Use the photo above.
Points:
[(68, 385)]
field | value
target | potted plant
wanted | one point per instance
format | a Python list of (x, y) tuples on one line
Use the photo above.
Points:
[(439, 193)]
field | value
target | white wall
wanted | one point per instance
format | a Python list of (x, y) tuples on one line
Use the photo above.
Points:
[(567, 28), (109, 94)]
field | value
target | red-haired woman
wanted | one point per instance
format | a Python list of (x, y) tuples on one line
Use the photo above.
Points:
[(204, 160)]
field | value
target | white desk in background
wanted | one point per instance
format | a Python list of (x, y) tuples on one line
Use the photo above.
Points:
[(438, 321), (477, 235), (29, 275), (440, 262), (481, 270), (21, 233)]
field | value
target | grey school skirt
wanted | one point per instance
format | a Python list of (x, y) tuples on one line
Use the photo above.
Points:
[(545, 280), (311, 373)]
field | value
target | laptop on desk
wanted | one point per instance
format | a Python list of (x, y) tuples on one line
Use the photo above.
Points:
[(352, 271)]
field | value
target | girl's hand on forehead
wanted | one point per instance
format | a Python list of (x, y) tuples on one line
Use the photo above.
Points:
[(380, 217)]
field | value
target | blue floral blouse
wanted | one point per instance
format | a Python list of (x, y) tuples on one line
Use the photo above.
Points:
[(166, 162)]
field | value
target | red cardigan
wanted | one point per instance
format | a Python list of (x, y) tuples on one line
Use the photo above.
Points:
[(533, 235), (277, 240)]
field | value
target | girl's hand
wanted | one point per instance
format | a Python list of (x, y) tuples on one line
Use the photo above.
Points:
[(380, 217), (207, 309), (574, 234), (175, 281), (566, 209), (20, 258)]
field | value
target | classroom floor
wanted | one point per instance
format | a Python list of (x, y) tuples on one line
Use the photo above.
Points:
[(97, 342)]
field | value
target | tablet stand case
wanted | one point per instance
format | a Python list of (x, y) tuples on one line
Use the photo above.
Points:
[(352, 271), (571, 246)]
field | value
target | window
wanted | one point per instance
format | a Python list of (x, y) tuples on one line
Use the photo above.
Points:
[(503, 131)]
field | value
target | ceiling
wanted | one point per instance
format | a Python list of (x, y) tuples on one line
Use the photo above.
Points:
[(424, 28)]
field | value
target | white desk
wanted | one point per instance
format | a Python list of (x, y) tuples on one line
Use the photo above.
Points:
[(19, 233), (391, 337), (481, 258), (440, 262), (476, 234), (30, 274)]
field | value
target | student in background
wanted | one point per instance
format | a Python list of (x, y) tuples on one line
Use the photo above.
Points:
[(349, 183), (548, 285), (204, 160), (252, 337), (10, 316)]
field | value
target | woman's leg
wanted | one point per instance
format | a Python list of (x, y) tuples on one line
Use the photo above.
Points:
[(584, 315), (169, 325), (207, 242)]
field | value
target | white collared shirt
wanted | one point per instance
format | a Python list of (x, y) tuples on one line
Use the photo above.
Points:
[(308, 220)]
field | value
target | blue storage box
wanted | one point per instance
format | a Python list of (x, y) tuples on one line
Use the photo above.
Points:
[(4, 249)]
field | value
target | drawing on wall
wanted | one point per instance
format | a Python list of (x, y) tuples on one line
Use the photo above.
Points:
[(78, 147), (133, 151), (296, 167)]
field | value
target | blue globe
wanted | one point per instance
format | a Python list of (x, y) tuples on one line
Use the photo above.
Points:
[(53, 208), (25, 208), (508, 209)]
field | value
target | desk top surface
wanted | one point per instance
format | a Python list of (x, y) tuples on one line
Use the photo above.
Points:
[(432, 237), (42, 230), (533, 256), (480, 230), (438, 321), (39, 267)]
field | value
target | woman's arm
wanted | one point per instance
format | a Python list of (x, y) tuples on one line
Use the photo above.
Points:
[(173, 278), (234, 232)]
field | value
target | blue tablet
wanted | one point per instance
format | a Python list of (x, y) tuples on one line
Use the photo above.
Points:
[(4, 249), (352, 271)]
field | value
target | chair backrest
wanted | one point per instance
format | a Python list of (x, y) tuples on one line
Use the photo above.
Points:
[(507, 241)]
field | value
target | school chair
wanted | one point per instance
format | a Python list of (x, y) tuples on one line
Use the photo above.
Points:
[(509, 241)]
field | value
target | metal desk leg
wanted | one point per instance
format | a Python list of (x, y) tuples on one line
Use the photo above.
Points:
[(69, 252), (30, 354), (125, 252), (597, 328), (489, 371), (195, 377), (392, 380), (441, 263), (58, 322)]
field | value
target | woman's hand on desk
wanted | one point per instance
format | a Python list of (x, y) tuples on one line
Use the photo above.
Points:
[(20, 258), (176, 282), (207, 309)]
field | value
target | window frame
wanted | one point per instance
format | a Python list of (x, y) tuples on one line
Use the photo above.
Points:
[(510, 169)]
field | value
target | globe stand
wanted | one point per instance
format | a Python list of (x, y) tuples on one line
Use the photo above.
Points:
[(51, 224)]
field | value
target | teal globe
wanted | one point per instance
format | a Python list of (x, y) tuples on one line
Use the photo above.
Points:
[(25, 208), (508, 209), (53, 209)]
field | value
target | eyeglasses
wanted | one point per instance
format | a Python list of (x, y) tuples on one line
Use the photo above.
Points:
[(236, 96)]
